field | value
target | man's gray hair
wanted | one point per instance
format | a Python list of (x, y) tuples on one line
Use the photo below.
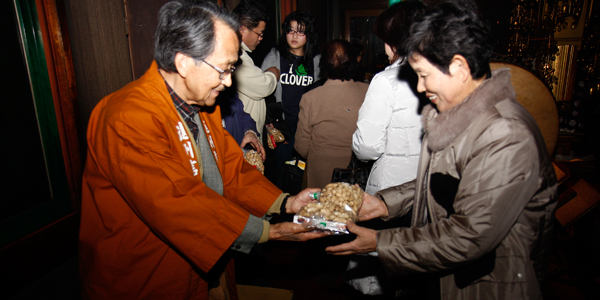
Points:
[(188, 27)]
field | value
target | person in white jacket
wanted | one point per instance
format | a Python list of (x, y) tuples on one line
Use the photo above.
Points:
[(252, 83), (389, 130), (389, 122)]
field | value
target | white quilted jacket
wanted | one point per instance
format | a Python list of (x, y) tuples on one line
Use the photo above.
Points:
[(389, 129)]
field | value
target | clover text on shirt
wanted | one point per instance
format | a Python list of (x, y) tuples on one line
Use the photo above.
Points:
[(293, 79)]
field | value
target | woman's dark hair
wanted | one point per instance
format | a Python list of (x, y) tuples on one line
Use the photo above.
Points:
[(393, 24), (249, 13), (338, 60), (451, 28), (306, 21), (188, 27)]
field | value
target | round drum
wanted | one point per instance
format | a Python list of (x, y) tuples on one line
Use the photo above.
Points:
[(535, 96)]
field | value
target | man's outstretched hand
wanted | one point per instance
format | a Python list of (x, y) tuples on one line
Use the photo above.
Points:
[(289, 231)]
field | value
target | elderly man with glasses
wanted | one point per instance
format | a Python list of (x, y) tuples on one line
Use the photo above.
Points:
[(166, 192)]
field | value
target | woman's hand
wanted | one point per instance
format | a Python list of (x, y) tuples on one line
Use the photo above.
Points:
[(295, 203), (372, 207), (365, 242)]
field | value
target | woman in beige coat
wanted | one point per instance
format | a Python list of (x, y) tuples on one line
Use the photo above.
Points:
[(485, 192), (328, 115)]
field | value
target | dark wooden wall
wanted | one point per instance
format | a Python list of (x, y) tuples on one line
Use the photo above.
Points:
[(100, 46), (142, 22)]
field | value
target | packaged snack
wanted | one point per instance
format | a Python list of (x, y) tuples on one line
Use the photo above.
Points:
[(254, 159), (274, 136), (337, 203)]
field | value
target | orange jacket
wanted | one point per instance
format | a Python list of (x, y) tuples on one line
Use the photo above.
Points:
[(150, 227)]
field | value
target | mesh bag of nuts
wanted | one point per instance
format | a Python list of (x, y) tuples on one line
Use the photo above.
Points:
[(338, 203), (274, 136), (254, 159)]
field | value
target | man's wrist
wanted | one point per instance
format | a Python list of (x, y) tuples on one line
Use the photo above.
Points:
[(283, 208), (273, 232), (283, 214)]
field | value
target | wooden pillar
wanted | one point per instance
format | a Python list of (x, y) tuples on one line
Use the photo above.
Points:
[(287, 6)]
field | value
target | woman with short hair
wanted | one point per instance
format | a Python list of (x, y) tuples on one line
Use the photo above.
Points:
[(485, 192)]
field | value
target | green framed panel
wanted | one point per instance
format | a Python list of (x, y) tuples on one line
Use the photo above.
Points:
[(47, 211)]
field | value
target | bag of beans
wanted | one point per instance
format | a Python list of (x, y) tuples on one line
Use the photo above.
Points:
[(254, 159), (337, 203)]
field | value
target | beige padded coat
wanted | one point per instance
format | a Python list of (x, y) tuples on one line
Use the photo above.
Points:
[(326, 122)]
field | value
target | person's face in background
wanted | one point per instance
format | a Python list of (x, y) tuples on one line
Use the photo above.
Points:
[(296, 38), (252, 37)]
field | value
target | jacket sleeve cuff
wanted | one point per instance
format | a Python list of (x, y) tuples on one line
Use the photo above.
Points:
[(265, 233), (252, 234), (251, 131), (272, 75), (276, 207), (399, 199)]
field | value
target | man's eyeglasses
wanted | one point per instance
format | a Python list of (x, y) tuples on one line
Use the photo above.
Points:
[(222, 73), (297, 32), (260, 35)]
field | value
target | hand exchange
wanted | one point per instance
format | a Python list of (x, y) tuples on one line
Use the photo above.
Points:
[(295, 232)]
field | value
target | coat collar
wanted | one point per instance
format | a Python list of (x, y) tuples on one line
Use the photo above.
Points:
[(397, 63), (443, 128), (245, 47), (154, 81)]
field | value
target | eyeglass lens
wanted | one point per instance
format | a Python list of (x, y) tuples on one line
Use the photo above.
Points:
[(298, 33), (260, 35), (226, 72), (222, 73)]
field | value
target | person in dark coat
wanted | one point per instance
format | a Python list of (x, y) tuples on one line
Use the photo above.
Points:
[(239, 123)]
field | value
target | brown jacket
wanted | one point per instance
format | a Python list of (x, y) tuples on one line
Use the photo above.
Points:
[(483, 200), (327, 120)]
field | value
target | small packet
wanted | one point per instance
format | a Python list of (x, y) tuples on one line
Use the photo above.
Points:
[(274, 136), (337, 203), (301, 164), (254, 159)]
